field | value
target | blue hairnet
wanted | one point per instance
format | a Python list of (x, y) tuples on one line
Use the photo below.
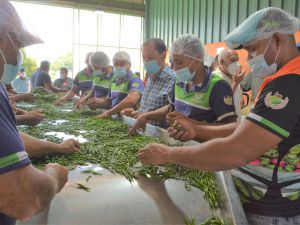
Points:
[(262, 25)]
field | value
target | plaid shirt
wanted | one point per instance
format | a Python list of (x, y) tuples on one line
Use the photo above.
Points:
[(157, 93)]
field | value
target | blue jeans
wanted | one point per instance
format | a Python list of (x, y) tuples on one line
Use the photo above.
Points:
[(255, 219)]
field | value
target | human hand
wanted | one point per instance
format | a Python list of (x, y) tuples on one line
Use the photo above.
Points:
[(33, 118), (140, 124), (183, 130), (154, 154), (172, 116), (68, 147), (59, 173)]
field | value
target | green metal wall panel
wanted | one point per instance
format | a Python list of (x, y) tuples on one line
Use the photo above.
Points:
[(180, 17), (225, 18), (211, 20), (196, 17), (185, 16), (202, 27), (191, 16)]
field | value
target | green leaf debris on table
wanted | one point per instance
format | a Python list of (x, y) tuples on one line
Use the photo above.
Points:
[(91, 171), (82, 187), (88, 178)]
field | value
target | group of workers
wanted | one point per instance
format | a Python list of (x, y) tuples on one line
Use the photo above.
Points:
[(23, 84), (192, 100)]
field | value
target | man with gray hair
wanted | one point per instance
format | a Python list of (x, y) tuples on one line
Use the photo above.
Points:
[(230, 70)]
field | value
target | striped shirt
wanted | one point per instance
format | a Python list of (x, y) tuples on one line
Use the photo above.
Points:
[(157, 93)]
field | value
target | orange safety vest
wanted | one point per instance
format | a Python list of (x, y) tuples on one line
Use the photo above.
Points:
[(292, 67)]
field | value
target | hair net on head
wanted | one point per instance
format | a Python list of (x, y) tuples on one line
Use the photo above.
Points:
[(262, 25), (88, 55), (122, 56), (11, 22), (99, 59), (188, 45)]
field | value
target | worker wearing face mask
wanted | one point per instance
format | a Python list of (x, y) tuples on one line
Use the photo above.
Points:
[(160, 80), (82, 84), (199, 94), (126, 88), (230, 70), (11, 71), (269, 187), (102, 76), (21, 83)]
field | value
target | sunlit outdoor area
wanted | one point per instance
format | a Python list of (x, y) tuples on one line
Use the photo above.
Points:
[(69, 34)]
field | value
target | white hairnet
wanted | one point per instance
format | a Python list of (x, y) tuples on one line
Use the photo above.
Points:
[(99, 59), (262, 25), (122, 56), (188, 45), (11, 22)]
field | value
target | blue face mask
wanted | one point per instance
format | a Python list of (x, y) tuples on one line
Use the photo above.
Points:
[(260, 67), (9, 71), (152, 67), (120, 72), (184, 74), (99, 73)]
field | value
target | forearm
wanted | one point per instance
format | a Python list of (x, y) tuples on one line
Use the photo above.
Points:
[(36, 147), (47, 189), (89, 95), (21, 119), (56, 90), (16, 98), (157, 115), (105, 104), (207, 132), (215, 155), (128, 102), (247, 143), (20, 111), (70, 94), (26, 192)]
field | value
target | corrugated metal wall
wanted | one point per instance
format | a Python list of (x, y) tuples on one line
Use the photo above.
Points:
[(211, 20)]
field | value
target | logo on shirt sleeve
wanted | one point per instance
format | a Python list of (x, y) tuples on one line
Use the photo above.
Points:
[(135, 85), (228, 100), (276, 101)]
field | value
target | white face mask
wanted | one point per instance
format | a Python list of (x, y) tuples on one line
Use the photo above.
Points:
[(260, 67), (234, 68), (10, 71)]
